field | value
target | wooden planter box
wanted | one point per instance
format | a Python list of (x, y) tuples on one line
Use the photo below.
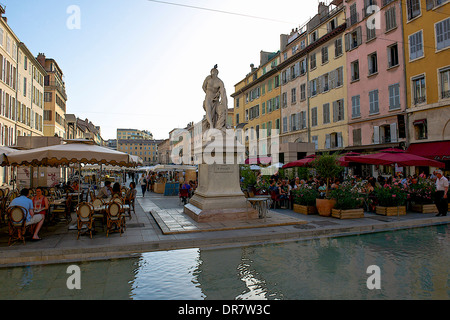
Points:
[(425, 208), (390, 211), (347, 214), (305, 209)]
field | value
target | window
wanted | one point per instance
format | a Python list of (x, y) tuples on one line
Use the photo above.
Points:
[(394, 96), (313, 87), (431, 4), (353, 39), (353, 15), (303, 67), (393, 56), (315, 140), (293, 95), (391, 22), (356, 106), (326, 113), (443, 34), (373, 102), (314, 36), (293, 125), (285, 127), (357, 137), (313, 61), (419, 91), (48, 115), (324, 55), (276, 81), (355, 70), (284, 99), (339, 76), (415, 45), (314, 117), (337, 47), (444, 76), (413, 8), (303, 91), (421, 129), (371, 34), (373, 65), (338, 110)]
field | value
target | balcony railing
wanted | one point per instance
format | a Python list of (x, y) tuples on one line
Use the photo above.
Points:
[(420, 100)]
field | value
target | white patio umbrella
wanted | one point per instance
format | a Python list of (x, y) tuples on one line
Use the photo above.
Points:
[(65, 154)]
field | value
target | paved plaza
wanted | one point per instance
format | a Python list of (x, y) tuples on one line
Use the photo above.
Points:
[(159, 224)]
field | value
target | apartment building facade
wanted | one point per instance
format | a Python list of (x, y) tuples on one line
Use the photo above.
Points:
[(55, 98), (257, 103), (376, 74), (130, 134), (427, 61), (327, 89), (146, 149)]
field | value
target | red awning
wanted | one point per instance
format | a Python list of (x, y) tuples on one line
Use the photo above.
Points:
[(439, 150)]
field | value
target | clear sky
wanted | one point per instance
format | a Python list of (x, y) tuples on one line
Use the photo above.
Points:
[(141, 64)]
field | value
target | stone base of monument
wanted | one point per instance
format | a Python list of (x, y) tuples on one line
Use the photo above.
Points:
[(219, 196)]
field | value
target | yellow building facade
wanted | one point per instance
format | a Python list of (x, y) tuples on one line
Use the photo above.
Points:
[(327, 90), (257, 102), (426, 26), (55, 98)]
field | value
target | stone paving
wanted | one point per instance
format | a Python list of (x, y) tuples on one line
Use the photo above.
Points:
[(159, 224)]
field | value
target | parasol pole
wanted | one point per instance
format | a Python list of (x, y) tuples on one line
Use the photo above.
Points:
[(79, 181)]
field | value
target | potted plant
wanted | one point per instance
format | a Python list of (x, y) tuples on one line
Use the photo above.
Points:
[(391, 199), (305, 199), (327, 167), (422, 195), (248, 178), (349, 202)]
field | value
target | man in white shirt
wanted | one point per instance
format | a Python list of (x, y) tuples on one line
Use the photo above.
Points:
[(441, 194)]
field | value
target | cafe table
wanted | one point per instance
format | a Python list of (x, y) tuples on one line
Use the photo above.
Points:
[(261, 204)]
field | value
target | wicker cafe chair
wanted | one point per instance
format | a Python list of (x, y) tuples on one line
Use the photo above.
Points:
[(84, 217), (99, 211), (114, 218), (17, 224)]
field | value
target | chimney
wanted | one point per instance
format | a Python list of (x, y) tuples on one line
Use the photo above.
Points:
[(41, 59)]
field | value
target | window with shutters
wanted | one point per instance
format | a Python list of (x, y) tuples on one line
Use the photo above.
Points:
[(303, 91), (357, 137), (315, 140), (391, 20), (326, 113), (285, 124), (338, 47), (314, 117), (394, 96), (338, 110), (415, 45), (370, 33), (313, 64), (442, 29), (353, 39), (373, 102), (356, 107), (293, 95), (324, 55)]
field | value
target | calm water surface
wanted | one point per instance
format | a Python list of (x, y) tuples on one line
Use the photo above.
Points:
[(414, 264)]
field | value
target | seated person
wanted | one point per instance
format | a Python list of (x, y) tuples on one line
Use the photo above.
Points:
[(40, 202), (106, 191), (131, 194), (75, 186), (31, 217), (116, 189)]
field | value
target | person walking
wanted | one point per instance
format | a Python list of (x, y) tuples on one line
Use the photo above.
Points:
[(143, 183), (441, 199)]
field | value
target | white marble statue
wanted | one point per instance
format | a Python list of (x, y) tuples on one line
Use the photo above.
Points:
[(216, 101)]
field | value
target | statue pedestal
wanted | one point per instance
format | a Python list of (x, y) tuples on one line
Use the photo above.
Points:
[(218, 196)]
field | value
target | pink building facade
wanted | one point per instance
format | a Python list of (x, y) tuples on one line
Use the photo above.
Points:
[(375, 74)]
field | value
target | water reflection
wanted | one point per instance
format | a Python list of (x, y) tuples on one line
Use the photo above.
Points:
[(414, 265)]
